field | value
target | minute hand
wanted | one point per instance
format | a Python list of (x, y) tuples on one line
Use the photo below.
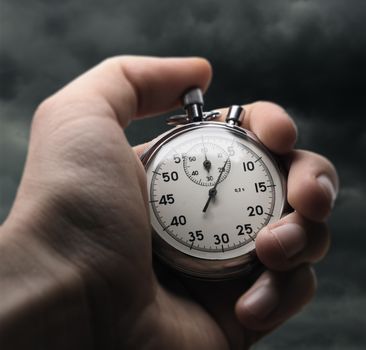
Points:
[(212, 191)]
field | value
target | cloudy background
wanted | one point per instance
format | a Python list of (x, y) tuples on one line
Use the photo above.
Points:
[(308, 56)]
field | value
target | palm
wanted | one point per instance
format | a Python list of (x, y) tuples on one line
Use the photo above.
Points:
[(190, 309), (112, 191)]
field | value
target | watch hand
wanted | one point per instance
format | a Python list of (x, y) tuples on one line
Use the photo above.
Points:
[(212, 191), (211, 194)]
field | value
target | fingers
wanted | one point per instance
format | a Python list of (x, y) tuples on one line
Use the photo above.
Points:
[(301, 236), (275, 297), (312, 185), (271, 124), (292, 241), (125, 87), (289, 244)]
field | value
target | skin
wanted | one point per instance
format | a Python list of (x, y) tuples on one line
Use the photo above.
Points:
[(75, 251)]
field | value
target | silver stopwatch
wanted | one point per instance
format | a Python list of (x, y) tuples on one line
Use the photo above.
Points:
[(212, 187)]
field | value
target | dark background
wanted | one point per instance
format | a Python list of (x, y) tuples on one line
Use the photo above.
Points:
[(308, 56)]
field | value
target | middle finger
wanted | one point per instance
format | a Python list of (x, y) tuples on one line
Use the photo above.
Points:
[(292, 241)]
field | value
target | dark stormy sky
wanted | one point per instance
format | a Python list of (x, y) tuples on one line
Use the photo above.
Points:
[(309, 56)]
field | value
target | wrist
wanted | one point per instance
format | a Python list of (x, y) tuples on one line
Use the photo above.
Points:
[(42, 302)]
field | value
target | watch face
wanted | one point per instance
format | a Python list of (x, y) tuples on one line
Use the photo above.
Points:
[(211, 190)]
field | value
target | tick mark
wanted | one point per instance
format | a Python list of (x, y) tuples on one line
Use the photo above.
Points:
[(167, 227), (257, 159), (268, 214), (222, 248), (155, 172)]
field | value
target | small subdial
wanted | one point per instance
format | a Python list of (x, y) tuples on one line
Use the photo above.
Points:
[(204, 162)]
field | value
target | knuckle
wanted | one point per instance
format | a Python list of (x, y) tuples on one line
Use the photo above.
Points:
[(318, 161), (271, 116), (270, 252), (308, 198), (319, 242), (325, 163), (44, 107), (268, 104), (43, 111), (271, 108), (111, 61), (115, 62), (303, 281)]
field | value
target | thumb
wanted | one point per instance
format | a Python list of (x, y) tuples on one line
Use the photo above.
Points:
[(127, 87), (78, 125)]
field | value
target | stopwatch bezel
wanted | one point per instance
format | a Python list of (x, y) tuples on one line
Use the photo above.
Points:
[(199, 267)]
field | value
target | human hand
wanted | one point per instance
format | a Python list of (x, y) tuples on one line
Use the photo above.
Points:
[(78, 235)]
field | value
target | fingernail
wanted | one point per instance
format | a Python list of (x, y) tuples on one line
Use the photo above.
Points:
[(328, 187), (262, 301), (291, 238)]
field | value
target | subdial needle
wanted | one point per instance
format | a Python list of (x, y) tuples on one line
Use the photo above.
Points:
[(206, 162)]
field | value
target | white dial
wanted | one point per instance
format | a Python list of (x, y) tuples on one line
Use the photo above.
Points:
[(211, 189)]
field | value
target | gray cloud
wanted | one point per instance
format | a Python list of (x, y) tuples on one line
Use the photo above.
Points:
[(295, 49), (308, 56)]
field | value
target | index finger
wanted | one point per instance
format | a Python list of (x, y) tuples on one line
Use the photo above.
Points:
[(271, 124)]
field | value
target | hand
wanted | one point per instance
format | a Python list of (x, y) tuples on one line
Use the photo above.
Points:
[(75, 252)]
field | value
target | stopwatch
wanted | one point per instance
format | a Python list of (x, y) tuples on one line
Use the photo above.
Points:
[(212, 186)]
